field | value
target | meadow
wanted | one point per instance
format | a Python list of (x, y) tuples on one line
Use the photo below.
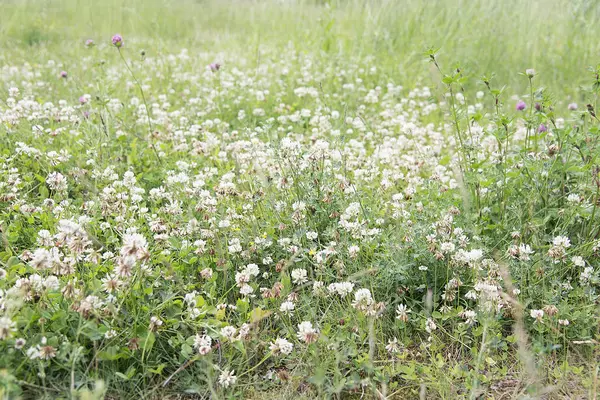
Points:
[(362, 199)]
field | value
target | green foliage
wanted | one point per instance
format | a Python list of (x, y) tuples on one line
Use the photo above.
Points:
[(168, 227)]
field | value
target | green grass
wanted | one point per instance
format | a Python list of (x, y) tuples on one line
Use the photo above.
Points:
[(333, 140), (556, 37)]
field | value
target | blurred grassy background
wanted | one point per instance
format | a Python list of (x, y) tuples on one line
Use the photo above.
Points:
[(558, 38)]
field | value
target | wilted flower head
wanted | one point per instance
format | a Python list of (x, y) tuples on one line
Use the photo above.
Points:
[(551, 310)]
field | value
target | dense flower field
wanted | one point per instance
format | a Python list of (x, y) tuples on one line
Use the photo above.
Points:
[(200, 223)]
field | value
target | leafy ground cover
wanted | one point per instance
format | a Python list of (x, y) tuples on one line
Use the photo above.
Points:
[(299, 200)]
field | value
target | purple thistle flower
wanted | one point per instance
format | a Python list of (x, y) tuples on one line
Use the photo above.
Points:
[(521, 105), (572, 106), (89, 43), (214, 67), (538, 106), (63, 74), (542, 128), (117, 40), (82, 99)]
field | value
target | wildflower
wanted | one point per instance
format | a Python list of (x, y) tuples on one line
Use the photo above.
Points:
[(586, 275), (246, 290), (206, 273), (430, 325), (572, 106), (306, 332), (363, 300), (203, 343), (564, 322), (299, 276), (524, 252), (537, 315), (7, 326), (228, 332), (573, 198), (402, 312), (530, 72), (56, 181), (134, 245), (341, 288), (287, 307), (551, 310), (470, 317), (89, 43), (318, 287), (117, 40), (20, 343), (47, 352), (578, 261), (281, 345), (227, 378), (214, 67), (111, 333), (244, 331), (312, 235), (63, 74), (155, 323), (521, 105), (393, 346), (542, 128), (111, 283), (561, 241)]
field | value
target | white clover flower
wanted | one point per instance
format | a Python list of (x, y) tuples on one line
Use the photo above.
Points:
[(537, 315), (578, 261), (227, 378), (228, 332), (281, 345), (299, 276), (393, 346), (7, 327), (306, 332), (341, 288), (402, 312), (430, 325), (203, 343), (287, 307)]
